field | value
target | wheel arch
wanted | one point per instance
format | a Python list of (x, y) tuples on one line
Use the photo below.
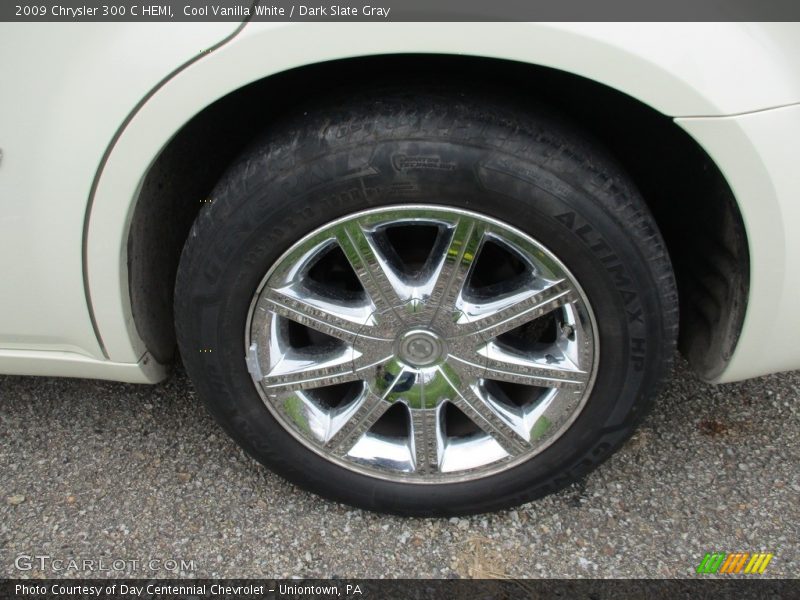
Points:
[(180, 174)]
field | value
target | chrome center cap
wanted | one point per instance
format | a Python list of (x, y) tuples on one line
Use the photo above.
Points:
[(420, 348)]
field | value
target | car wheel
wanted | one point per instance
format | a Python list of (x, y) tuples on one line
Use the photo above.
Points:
[(427, 303)]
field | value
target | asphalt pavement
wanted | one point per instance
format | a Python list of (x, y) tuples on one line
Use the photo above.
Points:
[(140, 481)]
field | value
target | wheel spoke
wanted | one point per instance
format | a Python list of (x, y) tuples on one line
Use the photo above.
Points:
[(369, 266), (297, 372), (480, 412), (523, 308), (372, 407), (428, 438), (455, 259), (325, 320), (550, 370)]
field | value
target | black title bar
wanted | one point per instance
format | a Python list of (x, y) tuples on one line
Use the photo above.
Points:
[(396, 10)]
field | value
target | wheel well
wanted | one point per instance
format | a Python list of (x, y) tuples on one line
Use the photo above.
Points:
[(690, 199)]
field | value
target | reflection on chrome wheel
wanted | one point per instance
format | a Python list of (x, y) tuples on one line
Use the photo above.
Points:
[(422, 344)]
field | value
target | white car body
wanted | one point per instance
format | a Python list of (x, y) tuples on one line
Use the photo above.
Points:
[(85, 110)]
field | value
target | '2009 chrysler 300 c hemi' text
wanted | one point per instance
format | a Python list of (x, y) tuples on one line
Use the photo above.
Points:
[(425, 268)]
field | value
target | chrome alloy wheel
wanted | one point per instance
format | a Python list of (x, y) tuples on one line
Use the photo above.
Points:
[(422, 344)]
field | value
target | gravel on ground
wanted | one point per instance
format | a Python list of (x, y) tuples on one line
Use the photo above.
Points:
[(95, 470)]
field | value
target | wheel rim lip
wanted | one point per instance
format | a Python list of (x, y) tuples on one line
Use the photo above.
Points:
[(481, 472)]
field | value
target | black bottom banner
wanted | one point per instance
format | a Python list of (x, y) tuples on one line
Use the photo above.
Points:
[(389, 589)]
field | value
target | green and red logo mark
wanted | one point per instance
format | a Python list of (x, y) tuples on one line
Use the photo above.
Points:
[(736, 562)]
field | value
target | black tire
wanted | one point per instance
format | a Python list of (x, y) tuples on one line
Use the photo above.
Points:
[(521, 166)]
